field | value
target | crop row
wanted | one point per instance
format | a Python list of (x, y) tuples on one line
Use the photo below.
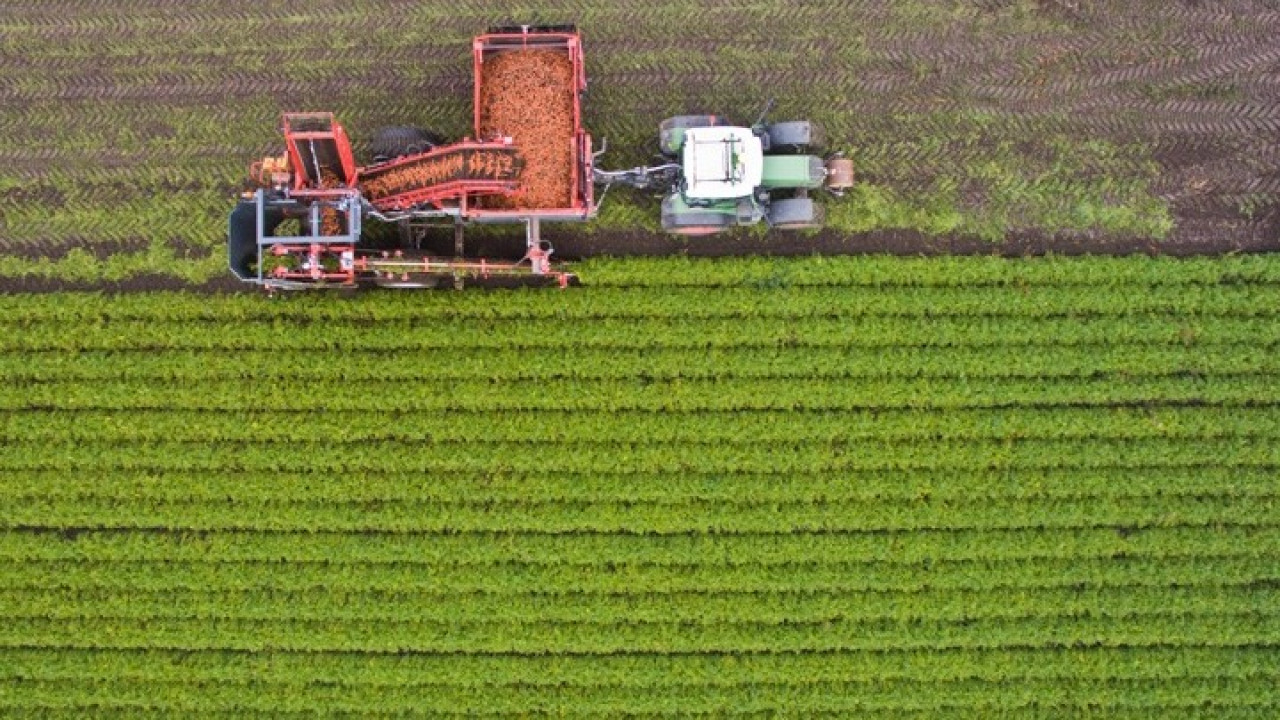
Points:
[(698, 608), (544, 575), (480, 671), (886, 271), (844, 696), (1119, 548), (1218, 708), (269, 367), (541, 364), (635, 586), (1254, 627), (542, 488), (591, 304), (586, 455), (1025, 285), (648, 333), (643, 394), (661, 518), (773, 427), (519, 595)]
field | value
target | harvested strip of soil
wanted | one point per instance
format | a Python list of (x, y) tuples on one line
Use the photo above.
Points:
[(528, 95)]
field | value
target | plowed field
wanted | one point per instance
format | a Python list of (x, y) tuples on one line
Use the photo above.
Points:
[(1009, 126)]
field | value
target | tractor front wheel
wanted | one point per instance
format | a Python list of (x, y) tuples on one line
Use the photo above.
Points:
[(671, 131)]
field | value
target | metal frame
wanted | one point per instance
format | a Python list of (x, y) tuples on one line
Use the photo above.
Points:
[(582, 205), (303, 132), (311, 243)]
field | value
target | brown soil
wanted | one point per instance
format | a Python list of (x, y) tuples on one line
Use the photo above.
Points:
[(528, 95), (1197, 83)]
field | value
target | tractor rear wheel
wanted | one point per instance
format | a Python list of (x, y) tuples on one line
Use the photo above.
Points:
[(392, 142), (796, 136), (796, 214), (671, 131), (694, 222), (680, 219)]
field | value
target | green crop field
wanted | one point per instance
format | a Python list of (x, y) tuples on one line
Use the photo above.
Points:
[(874, 471), (963, 487)]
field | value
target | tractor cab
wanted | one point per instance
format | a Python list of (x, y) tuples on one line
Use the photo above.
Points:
[(721, 163)]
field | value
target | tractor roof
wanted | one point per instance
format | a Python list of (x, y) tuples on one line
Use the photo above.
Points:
[(721, 163)]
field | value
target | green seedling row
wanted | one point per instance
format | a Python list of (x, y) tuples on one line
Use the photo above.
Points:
[(830, 697), (963, 487), (479, 672), (1046, 553), (843, 578)]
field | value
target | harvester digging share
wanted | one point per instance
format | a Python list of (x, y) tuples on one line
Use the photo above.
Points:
[(530, 161)]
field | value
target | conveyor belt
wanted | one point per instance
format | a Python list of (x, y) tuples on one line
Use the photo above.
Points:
[(444, 173)]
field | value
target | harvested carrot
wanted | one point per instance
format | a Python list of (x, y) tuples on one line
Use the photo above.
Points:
[(528, 95)]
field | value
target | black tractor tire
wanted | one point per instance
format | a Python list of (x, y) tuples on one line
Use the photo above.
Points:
[(693, 223), (510, 29), (796, 136), (666, 143), (390, 143), (796, 214)]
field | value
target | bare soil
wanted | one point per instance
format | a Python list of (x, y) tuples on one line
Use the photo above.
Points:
[(1195, 84)]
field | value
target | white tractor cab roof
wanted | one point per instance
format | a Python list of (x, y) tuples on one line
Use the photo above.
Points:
[(721, 163)]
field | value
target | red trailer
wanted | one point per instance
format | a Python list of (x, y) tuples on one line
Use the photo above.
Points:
[(565, 144)]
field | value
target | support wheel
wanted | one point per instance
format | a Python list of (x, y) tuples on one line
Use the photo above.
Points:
[(392, 142), (422, 283), (796, 214), (671, 131)]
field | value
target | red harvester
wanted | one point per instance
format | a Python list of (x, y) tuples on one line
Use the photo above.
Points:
[(529, 160)]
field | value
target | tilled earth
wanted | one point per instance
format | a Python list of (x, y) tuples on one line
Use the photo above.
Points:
[(93, 108)]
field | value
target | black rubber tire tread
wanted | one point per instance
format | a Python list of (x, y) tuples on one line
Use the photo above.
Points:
[(797, 136), (796, 214), (392, 142)]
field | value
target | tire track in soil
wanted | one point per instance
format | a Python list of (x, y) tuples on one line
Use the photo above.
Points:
[(1195, 124), (1219, 146)]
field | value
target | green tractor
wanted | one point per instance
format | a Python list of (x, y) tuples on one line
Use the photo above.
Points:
[(731, 175), (720, 175)]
